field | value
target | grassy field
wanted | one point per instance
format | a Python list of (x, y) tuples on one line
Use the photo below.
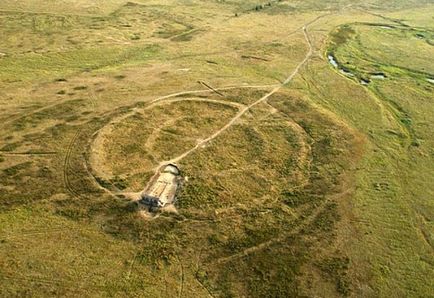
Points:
[(402, 150), (302, 177)]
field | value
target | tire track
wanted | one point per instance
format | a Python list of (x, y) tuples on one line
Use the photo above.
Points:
[(182, 278), (8, 153), (309, 220), (71, 285), (67, 166), (21, 116)]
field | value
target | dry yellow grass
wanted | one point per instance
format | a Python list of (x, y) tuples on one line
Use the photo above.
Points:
[(320, 188)]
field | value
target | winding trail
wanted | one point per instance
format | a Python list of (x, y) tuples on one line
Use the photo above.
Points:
[(242, 111), (304, 224), (247, 108)]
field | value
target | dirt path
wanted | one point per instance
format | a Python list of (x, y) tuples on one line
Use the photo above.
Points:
[(266, 244), (306, 222), (151, 140), (166, 99), (154, 135), (209, 91), (242, 110), (247, 108)]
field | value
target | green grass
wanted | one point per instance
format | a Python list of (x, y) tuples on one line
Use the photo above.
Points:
[(29, 67), (322, 190), (390, 179)]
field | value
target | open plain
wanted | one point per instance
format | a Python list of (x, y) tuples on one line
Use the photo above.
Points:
[(303, 132)]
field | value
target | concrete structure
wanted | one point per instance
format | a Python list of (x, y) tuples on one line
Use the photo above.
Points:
[(163, 189)]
